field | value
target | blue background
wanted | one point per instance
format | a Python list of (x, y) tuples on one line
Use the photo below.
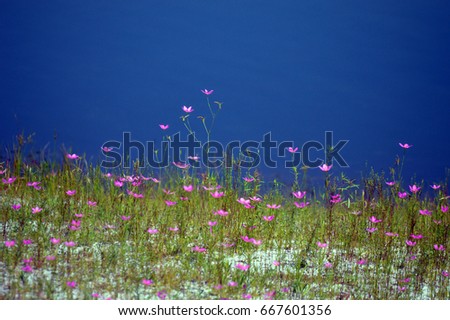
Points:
[(374, 72)]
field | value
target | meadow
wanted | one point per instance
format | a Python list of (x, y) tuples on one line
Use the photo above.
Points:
[(70, 230)]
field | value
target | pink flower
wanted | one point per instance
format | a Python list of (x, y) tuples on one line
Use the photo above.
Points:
[(106, 149), (71, 284), (425, 212), (299, 194), (361, 262), (27, 268), (180, 165), (256, 242), (324, 167), (268, 218), (2, 171), (328, 265), (92, 203), (69, 244), (246, 179), (416, 236), (273, 206), (401, 289), (136, 195), (445, 273), (243, 201), (36, 210), (147, 282), (55, 241), (221, 213), (444, 209), (292, 150), (437, 221), (188, 188), (9, 180), (256, 199), (194, 158), (198, 249), (155, 180), (118, 183), (27, 242), (322, 245), (391, 234), (125, 218), (10, 243), (72, 156), (217, 194), (390, 183), (71, 193), (78, 215), (405, 146), (164, 126), (435, 187), (374, 219), (187, 109), (301, 205), (207, 92), (50, 258), (243, 267), (35, 185), (16, 207), (246, 296), (336, 198), (402, 195), (152, 231), (170, 203), (406, 280), (162, 294), (439, 247), (276, 263), (414, 188), (410, 243), (168, 192), (212, 223), (174, 229), (232, 284), (228, 245), (371, 230)]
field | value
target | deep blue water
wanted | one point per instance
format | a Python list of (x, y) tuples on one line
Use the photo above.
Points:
[(375, 73)]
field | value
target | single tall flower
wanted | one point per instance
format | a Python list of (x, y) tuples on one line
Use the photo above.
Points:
[(72, 156), (188, 188), (299, 194), (324, 167), (207, 92), (187, 109), (414, 188), (405, 146)]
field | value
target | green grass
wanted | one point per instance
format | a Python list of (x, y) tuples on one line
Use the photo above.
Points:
[(112, 256)]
